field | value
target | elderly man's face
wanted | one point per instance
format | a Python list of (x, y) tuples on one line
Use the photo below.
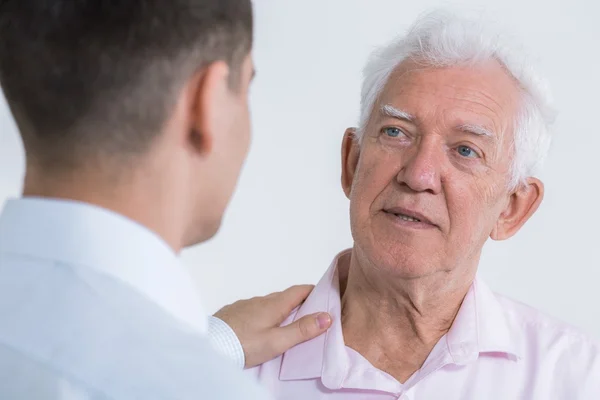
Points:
[(429, 184)]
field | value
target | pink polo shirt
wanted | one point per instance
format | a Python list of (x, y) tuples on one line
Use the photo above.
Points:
[(496, 349)]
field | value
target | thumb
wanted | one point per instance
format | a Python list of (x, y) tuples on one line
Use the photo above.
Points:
[(305, 328)]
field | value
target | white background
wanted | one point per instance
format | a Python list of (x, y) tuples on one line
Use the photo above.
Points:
[(289, 216)]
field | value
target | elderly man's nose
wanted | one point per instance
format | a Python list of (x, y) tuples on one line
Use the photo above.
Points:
[(421, 172)]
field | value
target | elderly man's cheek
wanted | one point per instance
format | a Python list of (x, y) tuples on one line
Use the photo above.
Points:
[(373, 181), (471, 227)]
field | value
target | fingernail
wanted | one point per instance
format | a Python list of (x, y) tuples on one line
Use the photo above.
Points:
[(323, 320)]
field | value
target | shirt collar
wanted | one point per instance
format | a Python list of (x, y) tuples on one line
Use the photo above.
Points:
[(480, 327), (310, 359), (87, 236)]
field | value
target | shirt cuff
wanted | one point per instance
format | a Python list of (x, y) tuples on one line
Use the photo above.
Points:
[(225, 341)]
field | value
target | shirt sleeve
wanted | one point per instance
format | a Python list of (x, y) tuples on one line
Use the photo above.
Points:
[(225, 341)]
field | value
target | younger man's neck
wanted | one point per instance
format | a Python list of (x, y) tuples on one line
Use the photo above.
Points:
[(129, 194)]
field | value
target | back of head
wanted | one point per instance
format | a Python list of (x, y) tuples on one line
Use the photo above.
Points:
[(88, 79), (138, 106)]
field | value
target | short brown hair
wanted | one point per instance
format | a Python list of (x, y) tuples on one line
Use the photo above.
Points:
[(91, 77)]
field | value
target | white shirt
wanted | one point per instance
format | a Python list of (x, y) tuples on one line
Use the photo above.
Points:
[(95, 306)]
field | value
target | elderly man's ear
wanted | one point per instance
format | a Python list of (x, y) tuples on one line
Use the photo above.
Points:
[(521, 205), (350, 155)]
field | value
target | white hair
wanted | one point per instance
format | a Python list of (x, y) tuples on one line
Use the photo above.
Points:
[(442, 39)]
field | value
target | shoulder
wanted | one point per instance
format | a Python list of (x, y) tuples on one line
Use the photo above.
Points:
[(549, 343), (78, 326), (525, 319), (196, 375)]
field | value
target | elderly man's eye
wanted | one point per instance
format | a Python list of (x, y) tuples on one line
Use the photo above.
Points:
[(467, 152), (393, 132)]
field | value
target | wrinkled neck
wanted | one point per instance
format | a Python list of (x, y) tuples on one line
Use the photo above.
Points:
[(396, 322)]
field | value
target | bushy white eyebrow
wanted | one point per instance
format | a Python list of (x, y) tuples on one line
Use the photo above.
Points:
[(393, 112), (476, 130)]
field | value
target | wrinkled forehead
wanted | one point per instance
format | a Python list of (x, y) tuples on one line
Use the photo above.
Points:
[(482, 95)]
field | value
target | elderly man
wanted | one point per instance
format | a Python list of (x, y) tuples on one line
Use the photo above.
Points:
[(453, 125)]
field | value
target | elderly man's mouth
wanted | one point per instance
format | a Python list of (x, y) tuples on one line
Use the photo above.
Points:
[(409, 218)]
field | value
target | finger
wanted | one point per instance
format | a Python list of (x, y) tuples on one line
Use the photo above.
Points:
[(306, 328), (297, 293), (289, 299)]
